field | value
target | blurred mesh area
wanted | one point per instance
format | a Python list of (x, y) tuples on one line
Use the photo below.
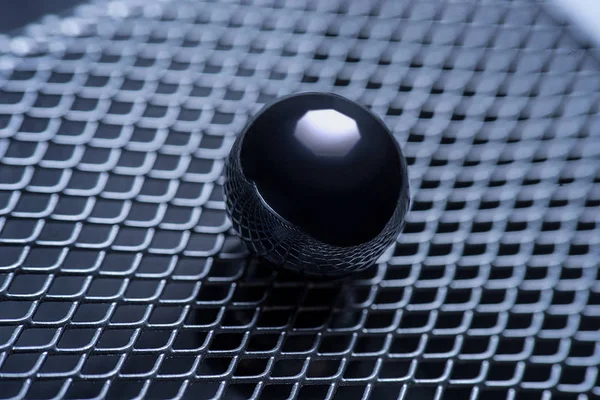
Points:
[(120, 278)]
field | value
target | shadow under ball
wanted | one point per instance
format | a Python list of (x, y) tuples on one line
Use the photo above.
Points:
[(317, 184)]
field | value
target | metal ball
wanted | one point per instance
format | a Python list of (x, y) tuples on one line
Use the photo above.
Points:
[(317, 184)]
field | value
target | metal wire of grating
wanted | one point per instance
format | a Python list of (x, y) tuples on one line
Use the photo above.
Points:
[(119, 276)]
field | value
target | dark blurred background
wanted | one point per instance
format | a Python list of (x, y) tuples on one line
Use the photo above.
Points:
[(16, 14)]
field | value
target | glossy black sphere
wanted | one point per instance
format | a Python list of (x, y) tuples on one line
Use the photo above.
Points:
[(317, 183)]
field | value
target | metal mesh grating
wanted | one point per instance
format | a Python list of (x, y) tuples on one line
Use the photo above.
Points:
[(119, 277)]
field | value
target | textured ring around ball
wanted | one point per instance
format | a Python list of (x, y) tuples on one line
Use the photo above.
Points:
[(317, 184)]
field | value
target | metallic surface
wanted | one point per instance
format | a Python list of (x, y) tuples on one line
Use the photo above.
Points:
[(119, 277)]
